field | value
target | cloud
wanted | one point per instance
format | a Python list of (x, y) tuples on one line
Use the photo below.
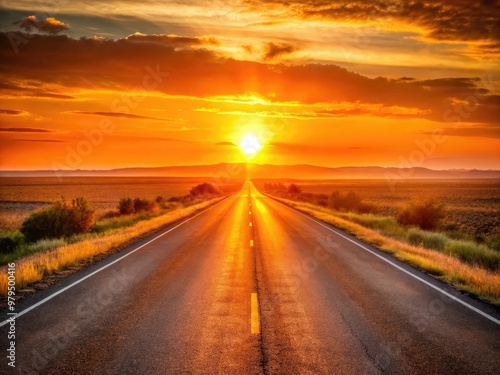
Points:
[(231, 144), (49, 25), (273, 50), (471, 131), (125, 66), (443, 20), (37, 140), (247, 48), (174, 40), (13, 112), (13, 88), (120, 114), (25, 130), (315, 149)]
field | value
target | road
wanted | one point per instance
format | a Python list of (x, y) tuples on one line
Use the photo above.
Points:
[(253, 287)]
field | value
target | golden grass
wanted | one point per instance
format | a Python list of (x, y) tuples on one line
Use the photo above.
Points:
[(34, 267), (472, 279)]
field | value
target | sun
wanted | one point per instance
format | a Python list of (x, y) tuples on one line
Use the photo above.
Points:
[(250, 145)]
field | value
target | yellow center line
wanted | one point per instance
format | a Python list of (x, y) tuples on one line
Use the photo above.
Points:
[(254, 314), (251, 243), (250, 224), (249, 212)]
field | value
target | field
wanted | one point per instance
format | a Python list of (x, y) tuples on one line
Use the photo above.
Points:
[(473, 204), (19, 197)]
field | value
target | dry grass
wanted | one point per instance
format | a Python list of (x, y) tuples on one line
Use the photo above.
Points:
[(22, 196), (472, 279), (473, 204), (34, 267)]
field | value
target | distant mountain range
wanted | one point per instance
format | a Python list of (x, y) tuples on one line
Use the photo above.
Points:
[(242, 170)]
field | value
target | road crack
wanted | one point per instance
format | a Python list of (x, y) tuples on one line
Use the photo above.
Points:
[(365, 348)]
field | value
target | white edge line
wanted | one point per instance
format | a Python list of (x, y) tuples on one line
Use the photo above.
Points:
[(475, 309), (106, 266)]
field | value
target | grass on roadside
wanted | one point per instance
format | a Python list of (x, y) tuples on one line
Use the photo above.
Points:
[(58, 255), (468, 266)]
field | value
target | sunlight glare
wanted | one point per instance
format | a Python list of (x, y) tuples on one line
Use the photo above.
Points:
[(250, 145)]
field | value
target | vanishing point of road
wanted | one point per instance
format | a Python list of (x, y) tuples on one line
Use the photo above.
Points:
[(251, 286)]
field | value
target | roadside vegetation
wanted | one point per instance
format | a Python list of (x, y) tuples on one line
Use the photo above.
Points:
[(417, 234), (68, 232)]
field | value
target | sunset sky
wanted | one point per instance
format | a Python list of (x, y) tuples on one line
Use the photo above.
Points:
[(333, 83)]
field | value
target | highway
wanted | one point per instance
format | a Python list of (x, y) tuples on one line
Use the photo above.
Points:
[(251, 286)]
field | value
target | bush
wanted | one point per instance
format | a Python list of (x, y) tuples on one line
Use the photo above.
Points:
[(143, 205), (294, 189), (10, 241), (204, 189), (429, 240), (62, 219), (426, 215), (321, 200), (274, 187), (126, 206)]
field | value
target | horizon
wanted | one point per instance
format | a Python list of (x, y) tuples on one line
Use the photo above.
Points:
[(251, 163), (150, 85), (224, 173)]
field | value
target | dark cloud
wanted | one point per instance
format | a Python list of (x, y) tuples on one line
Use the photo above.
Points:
[(32, 89), (247, 48), (127, 66), (174, 40), (273, 50), (37, 140), (12, 112), (388, 113), (49, 25), (231, 144), (25, 130), (118, 114), (450, 20)]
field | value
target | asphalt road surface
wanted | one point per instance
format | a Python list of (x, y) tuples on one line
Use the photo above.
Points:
[(251, 286)]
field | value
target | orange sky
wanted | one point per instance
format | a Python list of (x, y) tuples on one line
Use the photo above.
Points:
[(389, 83)]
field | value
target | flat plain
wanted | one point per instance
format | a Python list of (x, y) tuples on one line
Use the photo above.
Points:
[(21, 196), (473, 204)]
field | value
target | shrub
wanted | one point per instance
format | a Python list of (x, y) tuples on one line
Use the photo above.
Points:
[(426, 215), (322, 200), (294, 189), (61, 219), (429, 240), (126, 206), (204, 189), (274, 187), (335, 200), (144, 205), (10, 241)]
